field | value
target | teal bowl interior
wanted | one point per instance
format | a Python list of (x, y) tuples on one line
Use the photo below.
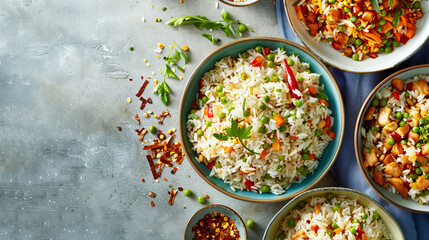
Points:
[(390, 222), (335, 104), (396, 199), (220, 209)]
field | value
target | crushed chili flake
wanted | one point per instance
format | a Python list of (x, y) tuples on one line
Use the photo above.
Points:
[(163, 115), (172, 196), (149, 100), (152, 194), (142, 134), (180, 189), (174, 170), (144, 102), (143, 180), (130, 79), (142, 88), (207, 196), (152, 204), (165, 179), (119, 128), (136, 117), (215, 226)]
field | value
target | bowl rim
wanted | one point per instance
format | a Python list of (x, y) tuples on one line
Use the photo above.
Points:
[(287, 42), (356, 136), (327, 189), (292, 26), (222, 206), (237, 5)]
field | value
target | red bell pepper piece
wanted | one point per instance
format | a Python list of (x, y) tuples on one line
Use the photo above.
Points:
[(396, 95), (263, 154), (248, 184), (356, 9), (409, 85), (201, 83), (327, 122), (291, 81), (395, 136), (315, 228), (211, 164), (257, 62), (200, 95), (210, 112), (336, 45), (404, 39), (266, 51)]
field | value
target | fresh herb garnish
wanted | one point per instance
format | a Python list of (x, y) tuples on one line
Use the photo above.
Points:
[(398, 13), (244, 104), (376, 5), (229, 26), (236, 132), (176, 53)]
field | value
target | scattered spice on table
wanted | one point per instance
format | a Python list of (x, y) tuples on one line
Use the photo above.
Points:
[(152, 194), (136, 117), (172, 196), (163, 115), (152, 204), (119, 128), (142, 88), (215, 226)]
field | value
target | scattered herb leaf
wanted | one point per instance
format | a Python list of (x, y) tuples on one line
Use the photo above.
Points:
[(210, 37), (376, 5)]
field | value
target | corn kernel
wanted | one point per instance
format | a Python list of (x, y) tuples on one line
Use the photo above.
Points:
[(160, 45), (423, 112), (185, 48)]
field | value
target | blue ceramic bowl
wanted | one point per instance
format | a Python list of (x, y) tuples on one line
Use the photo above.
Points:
[(335, 102), (390, 222), (220, 209), (395, 199)]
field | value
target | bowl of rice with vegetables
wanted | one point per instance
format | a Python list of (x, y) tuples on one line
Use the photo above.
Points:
[(261, 123), (392, 139), (360, 35), (333, 213)]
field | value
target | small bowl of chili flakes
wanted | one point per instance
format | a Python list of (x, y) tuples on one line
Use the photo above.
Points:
[(215, 221)]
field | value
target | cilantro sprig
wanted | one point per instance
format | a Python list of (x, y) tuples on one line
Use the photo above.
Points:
[(174, 56), (229, 26), (236, 132)]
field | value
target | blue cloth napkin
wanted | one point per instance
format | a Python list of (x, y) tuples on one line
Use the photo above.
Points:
[(355, 88)]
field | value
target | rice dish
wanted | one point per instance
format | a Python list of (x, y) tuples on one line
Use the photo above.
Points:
[(332, 217), (396, 138), (251, 129)]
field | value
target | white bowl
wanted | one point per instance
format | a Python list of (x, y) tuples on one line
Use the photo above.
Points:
[(239, 4), (384, 61)]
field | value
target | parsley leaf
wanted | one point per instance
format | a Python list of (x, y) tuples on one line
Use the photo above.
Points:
[(210, 37), (236, 132), (375, 4), (220, 136)]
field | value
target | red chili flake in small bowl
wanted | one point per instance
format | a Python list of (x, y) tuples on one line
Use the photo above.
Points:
[(215, 226)]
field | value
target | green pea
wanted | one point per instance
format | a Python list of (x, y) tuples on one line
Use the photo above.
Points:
[(388, 43), (221, 95), (282, 157), (204, 99), (307, 70), (381, 49), (275, 78), (332, 1), (422, 121), (374, 129), (282, 128), (264, 119), (355, 220), (274, 113), (416, 5), (398, 115), (224, 100), (266, 146), (266, 79), (330, 196), (270, 64), (291, 223), (267, 176), (318, 133), (262, 106), (353, 18), (379, 28), (330, 232), (342, 28), (201, 199), (258, 49), (279, 168), (218, 165), (245, 55), (336, 208), (388, 50), (414, 176), (243, 76), (208, 123), (382, 21), (346, 9), (359, 27), (187, 192), (353, 230), (375, 102), (152, 129), (222, 115), (242, 28), (418, 171), (262, 130), (364, 216), (407, 94), (355, 56), (391, 141), (406, 115), (200, 132), (250, 223), (383, 13), (384, 40), (416, 129), (419, 163), (418, 145), (298, 103), (300, 78), (246, 113), (395, 43), (266, 98), (219, 88), (404, 142), (278, 90), (368, 150), (290, 62), (271, 57), (230, 108), (305, 156), (265, 189), (358, 42), (334, 225)]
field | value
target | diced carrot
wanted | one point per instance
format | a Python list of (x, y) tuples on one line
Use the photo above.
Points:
[(279, 120), (299, 12), (312, 90), (331, 134), (294, 138), (242, 123), (364, 236), (228, 149), (390, 19), (206, 111), (338, 231), (324, 102), (276, 144), (311, 156), (263, 154), (375, 37), (317, 209), (387, 27), (410, 33)]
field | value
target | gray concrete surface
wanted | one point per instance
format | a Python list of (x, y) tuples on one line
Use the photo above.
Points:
[(66, 172)]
